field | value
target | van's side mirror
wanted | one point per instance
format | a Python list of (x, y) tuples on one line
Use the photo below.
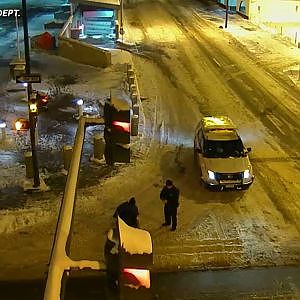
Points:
[(249, 149)]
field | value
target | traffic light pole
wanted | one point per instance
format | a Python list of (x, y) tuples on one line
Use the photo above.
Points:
[(32, 117)]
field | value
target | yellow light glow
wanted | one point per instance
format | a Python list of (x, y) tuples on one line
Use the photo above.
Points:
[(33, 107), (18, 125)]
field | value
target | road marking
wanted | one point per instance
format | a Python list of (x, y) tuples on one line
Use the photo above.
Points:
[(217, 63), (276, 122)]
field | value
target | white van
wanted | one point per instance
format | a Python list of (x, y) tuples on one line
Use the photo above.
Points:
[(220, 154)]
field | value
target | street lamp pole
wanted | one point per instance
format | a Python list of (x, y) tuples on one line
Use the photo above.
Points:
[(32, 117), (18, 40), (226, 16)]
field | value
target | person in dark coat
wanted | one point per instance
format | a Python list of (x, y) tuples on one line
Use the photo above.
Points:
[(111, 256), (128, 212), (170, 195)]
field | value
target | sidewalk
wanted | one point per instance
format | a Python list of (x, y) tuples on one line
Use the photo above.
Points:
[(273, 50)]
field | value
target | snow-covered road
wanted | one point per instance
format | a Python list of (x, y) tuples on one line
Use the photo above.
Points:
[(188, 67), (194, 68)]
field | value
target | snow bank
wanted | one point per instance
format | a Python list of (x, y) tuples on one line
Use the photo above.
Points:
[(20, 219)]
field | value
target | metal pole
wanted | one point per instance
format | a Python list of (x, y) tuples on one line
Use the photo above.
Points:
[(18, 40), (226, 16), (32, 118), (122, 29)]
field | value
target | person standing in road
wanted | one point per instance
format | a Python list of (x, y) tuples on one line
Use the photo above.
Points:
[(128, 212), (111, 256), (170, 195)]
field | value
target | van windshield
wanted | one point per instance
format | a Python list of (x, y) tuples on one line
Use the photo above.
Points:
[(221, 149)]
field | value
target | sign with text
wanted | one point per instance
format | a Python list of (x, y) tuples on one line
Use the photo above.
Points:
[(28, 78)]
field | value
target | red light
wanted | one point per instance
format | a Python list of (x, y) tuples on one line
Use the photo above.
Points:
[(136, 277), (123, 125), (45, 100)]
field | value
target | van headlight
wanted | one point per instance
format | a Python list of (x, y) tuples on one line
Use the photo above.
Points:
[(211, 175), (247, 174)]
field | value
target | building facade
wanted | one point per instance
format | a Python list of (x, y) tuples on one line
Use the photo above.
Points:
[(278, 16)]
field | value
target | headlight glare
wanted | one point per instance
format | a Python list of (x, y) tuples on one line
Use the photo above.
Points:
[(211, 175), (246, 174)]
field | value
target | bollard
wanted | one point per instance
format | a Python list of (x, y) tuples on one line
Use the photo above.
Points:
[(136, 109), (134, 98), (130, 71), (28, 164), (129, 66), (131, 80), (99, 146), (132, 88), (67, 155), (134, 125)]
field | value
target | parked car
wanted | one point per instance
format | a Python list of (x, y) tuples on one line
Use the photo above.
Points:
[(221, 155)]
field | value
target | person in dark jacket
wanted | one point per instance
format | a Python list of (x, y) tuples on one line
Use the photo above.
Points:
[(128, 212), (111, 256), (170, 195)]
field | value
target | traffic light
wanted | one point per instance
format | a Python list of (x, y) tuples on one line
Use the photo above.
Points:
[(33, 103), (135, 259), (117, 131), (38, 101)]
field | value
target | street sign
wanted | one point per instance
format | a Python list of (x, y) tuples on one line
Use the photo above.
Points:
[(28, 78)]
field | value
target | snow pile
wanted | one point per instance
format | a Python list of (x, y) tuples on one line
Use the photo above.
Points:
[(7, 173), (20, 219)]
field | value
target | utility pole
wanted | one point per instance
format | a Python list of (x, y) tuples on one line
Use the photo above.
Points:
[(122, 11), (18, 40), (226, 16), (32, 117)]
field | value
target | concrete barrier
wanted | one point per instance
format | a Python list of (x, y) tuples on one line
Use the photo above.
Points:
[(99, 147), (83, 53)]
